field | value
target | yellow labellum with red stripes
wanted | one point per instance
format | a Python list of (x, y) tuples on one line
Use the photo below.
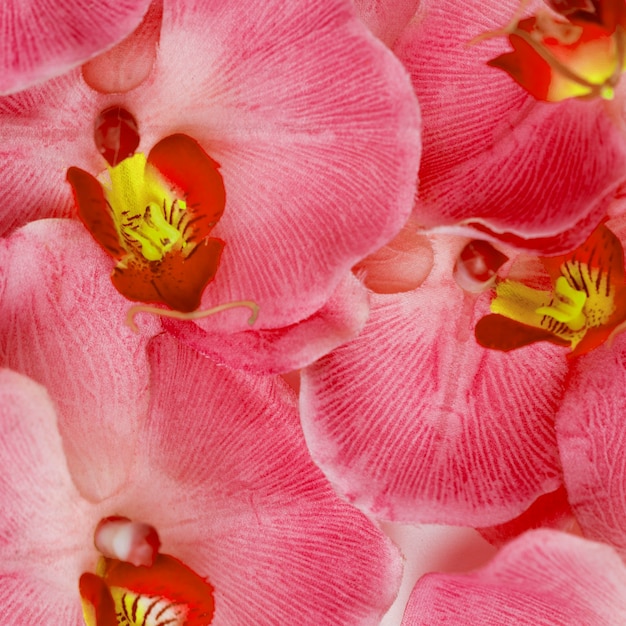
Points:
[(586, 304), (575, 50)]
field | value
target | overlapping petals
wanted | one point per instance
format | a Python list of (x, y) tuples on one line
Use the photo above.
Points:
[(220, 469), (313, 122), (45, 39), (416, 422), (538, 175), (590, 429), (544, 578)]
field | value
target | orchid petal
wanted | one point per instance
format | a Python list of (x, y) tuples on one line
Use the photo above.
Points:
[(61, 323), (545, 578), (285, 349), (590, 431), (44, 520), (427, 426), (45, 39), (245, 500)]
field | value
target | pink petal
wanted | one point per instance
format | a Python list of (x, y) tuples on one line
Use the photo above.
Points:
[(544, 578), (492, 154), (386, 18), (414, 421), (551, 510), (130, 62), (44, 538), (281, 350), (45, 39), (590, 430), (62, 324), (235, 495), (314, 124)]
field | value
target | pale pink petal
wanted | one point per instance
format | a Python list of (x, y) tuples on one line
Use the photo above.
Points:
[(414, 421), (229, 485), (44, 526), (551, 510), (39, 39), (491, 152), (130, 62), (591, 437), (285, 349), (62, 324), (544, 578), (314, 123), (386, 18)]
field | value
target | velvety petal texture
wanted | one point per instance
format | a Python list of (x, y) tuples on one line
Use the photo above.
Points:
[(221, 471), (42, 541), (591, 438), (386, 18), (62, 324), (314, 123), (544, 578), (536, 174), (40, 39), (283, 350), (414, 421)]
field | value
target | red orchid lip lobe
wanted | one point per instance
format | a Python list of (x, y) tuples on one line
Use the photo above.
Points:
[(136, 584)]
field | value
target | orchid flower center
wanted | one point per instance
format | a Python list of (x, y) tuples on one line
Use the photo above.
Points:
[(135, 585), (154, 216), (579, 52), (585, 306)]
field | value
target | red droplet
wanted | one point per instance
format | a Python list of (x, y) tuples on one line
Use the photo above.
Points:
[(116, 134)]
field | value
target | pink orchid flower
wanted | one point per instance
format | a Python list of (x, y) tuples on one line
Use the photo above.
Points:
[(45, 39), (110, 423), (543, 578), (415, 421), (538, 175), (312, 126)]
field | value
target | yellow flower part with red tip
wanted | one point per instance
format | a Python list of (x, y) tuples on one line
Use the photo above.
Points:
[(168, 592), (579, 51), (153, 216), (586, 304)]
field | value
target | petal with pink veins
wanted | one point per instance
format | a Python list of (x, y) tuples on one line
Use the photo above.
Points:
[(386, 18), (414, 421), (239, 500), (282, 350), (44, 527), (492, 155), (45, 39), (62, 324), (544, 578), (590, 432)]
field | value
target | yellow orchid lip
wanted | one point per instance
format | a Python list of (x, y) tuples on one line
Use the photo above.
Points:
[(586, 304)]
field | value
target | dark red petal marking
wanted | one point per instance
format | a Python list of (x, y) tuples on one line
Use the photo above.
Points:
[(94, 591), (502, 333), (94, 211), (175, 281), (116, 134), (182, 161), (525, 65), (169, 579)]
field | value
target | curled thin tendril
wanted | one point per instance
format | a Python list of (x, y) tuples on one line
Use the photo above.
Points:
[(193, 315)]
